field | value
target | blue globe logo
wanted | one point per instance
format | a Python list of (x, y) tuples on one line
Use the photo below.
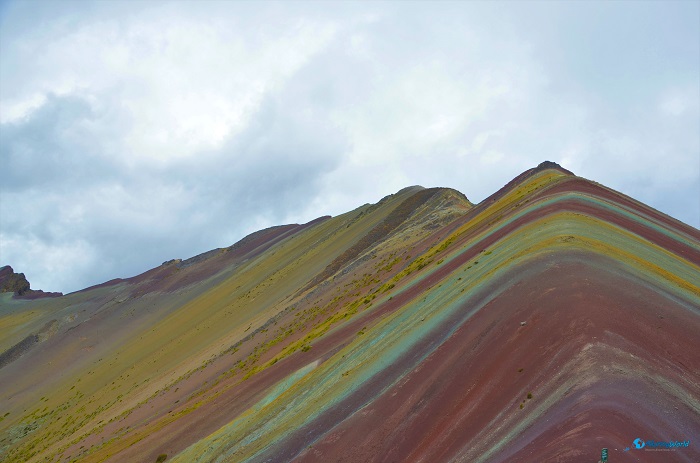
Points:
[(638, 443)]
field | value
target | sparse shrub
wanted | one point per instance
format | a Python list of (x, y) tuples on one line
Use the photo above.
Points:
[(529, 395), (161, 458)]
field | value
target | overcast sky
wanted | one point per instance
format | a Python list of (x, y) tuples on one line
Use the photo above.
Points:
[(136, 132)]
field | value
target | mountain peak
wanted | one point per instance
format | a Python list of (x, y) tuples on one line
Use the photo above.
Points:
[(421, 327), (552, 165)]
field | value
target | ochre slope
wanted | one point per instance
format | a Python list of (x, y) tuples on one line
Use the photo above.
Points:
[(554, 318), (123, 354)]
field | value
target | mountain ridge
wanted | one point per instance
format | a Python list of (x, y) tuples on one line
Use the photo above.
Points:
[(509, 330), (180, 263)]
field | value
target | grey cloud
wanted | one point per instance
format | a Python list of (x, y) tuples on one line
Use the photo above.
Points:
[(270, 169), (134, 219), (60, 143), (453, 94)]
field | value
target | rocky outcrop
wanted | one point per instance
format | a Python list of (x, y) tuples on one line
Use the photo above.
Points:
[(22, 347), (11, 282)]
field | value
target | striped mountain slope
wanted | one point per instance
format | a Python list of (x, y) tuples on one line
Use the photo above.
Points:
[(554, 318)]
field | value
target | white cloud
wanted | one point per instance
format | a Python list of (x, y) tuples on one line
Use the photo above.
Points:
[(135, 133), (676, 102), (184, 84), (47, 262)]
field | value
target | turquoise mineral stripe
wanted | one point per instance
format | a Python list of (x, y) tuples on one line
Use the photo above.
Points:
[(383, 344)]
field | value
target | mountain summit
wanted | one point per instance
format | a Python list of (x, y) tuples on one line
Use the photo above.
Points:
[(553, 319)]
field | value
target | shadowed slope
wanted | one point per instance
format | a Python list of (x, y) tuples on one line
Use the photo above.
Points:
[(555, 318), (378, 233)]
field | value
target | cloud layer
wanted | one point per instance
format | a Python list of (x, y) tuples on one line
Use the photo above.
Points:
[(133, 133)]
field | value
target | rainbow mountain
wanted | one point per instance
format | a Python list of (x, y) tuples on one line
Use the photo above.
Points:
[(553, 319)]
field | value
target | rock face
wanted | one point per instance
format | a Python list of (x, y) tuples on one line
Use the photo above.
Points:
[(11, 282), (554, 318)]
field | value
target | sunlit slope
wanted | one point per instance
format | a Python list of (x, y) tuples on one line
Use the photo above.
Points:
[(117, 357), (554, 318), (438, 368)]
